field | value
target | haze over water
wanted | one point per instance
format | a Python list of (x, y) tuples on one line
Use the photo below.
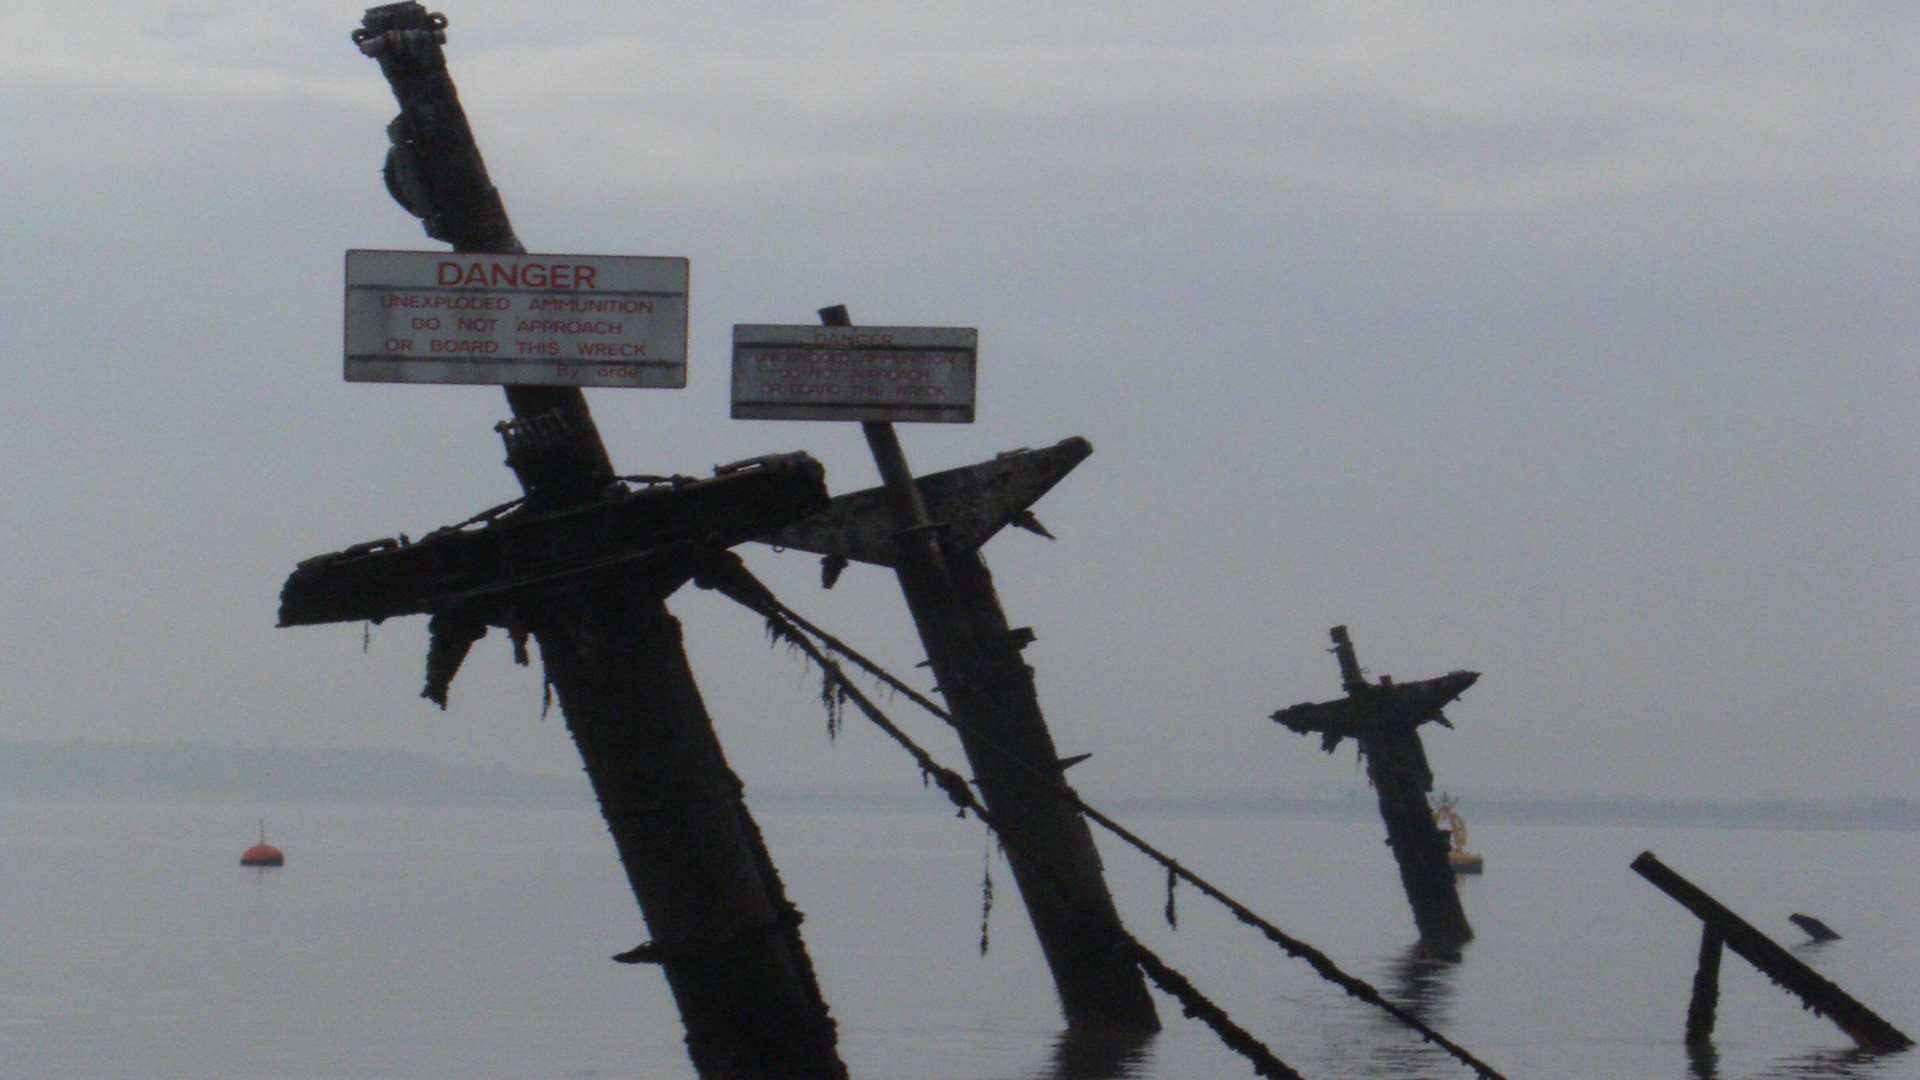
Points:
[(473, 942)]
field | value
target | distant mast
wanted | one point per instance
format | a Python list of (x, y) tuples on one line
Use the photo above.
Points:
[(262, 853)]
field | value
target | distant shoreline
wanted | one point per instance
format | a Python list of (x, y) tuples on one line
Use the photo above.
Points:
[(91, 771), (82, 769), (1895, 815)]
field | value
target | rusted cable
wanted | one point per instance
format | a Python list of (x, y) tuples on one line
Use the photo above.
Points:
[(738, 583)]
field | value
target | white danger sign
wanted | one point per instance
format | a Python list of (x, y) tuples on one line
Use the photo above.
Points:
[(528, 320), (882, 373)]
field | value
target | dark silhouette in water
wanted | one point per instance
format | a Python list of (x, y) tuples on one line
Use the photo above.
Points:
[(1385, 718), (1099, 1055), (1703, 1060), (1422, 983), (1841, 1063)]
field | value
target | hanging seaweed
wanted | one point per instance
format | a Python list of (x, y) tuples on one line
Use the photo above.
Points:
[(833, 695), (833, 687), (518, 634), (779, 633), (366, 637), (986, 889), (1173, 917), (546, 696)]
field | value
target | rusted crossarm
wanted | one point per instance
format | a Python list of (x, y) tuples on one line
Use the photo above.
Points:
[(1358, 715), (1331, 720), (1416, 703), (455, 569), (971, 503)]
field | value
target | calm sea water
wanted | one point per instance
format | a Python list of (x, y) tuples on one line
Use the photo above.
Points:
[(473, 943)]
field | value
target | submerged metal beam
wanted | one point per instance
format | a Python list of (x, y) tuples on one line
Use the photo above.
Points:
[(1815, 992)]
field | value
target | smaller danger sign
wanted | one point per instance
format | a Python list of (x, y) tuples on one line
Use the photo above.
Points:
[(876, 373)]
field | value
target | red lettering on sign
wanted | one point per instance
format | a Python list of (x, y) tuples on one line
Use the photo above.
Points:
[(489, 274)]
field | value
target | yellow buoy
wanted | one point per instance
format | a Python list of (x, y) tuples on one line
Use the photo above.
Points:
[(1448, 818)]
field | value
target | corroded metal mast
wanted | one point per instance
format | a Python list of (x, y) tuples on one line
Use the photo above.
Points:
[(584, 567), (1385, 718), (975, 656)]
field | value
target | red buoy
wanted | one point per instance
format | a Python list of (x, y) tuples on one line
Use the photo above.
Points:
[(262, 853)]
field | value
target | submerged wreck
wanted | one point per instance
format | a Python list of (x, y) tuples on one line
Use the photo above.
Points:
[(582, 563)]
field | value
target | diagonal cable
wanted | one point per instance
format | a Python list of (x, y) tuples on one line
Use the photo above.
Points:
[(738, 583)]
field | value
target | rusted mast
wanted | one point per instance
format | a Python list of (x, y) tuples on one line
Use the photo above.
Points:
[(724, 932), (975, 656), (1385, 719)]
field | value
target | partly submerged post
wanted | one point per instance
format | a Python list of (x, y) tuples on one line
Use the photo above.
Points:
[(1384, 719), (930, 531), (1701, 1008), (976, 658), (584, 566), (1722, 925)]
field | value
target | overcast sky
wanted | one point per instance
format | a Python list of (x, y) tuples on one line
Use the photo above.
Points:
[(1573, 344)]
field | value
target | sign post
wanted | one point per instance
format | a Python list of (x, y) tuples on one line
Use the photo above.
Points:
[(840, 372), (873, 374)]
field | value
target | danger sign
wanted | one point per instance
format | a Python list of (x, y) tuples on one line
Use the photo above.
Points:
[(890, 373), (527, 320)]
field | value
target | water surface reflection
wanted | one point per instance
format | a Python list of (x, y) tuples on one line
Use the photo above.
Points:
[(1421, 984), (1099, 1055), (1703, 1061), (1845, 1062)]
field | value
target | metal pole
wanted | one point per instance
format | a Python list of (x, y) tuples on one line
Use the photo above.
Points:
[(1397, 767), (1395, 759), (974, 656), (724, 932)]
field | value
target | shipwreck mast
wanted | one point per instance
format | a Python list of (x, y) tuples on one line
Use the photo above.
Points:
[(584, 567), (1384, 719)]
